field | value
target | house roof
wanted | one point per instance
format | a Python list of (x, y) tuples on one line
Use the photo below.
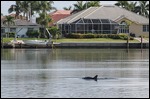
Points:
[(19, 22), (59, 14), (111, 12)]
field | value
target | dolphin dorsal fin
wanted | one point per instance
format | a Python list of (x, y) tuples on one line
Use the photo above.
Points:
[(95, 77)]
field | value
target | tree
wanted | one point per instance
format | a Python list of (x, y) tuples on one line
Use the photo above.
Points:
[(15, 8), (143, 8), (43, 19), (123, 4), (55, 32), (9, 21), (25, 9), (93, 4), (29, 8), (79, 6), (45, 6), (69, 8), (131, 6)]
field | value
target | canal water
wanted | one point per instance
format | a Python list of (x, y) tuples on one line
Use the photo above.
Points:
[(58, 73)]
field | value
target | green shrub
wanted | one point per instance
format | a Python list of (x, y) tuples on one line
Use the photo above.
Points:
[(123, 36), (90, 35), (131, 38), (33, 33), (55, 32), (11, 34)]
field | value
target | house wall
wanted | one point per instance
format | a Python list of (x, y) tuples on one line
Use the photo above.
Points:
[(23, 30), (138, 30), (135, 28)]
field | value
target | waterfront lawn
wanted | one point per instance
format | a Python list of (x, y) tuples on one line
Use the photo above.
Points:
[(6, 40), (106, 40), (109, 40), (146, 39)]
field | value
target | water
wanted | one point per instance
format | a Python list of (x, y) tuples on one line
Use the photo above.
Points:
[(40, 73)]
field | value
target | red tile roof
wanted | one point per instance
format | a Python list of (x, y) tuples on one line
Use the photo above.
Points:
[(62, 12), (57, 15)]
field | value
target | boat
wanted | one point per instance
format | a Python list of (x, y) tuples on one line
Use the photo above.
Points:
[(37, 42)]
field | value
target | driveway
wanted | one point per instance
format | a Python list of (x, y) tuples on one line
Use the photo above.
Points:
[(144, 40)]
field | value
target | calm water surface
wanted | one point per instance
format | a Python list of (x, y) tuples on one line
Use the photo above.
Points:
[(58, 73)]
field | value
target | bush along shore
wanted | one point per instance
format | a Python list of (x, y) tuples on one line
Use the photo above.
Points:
[(91, 35)]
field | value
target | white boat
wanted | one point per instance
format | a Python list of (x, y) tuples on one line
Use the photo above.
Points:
[(37, 42)]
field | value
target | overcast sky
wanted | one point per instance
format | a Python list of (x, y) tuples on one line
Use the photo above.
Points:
[(58, 4)]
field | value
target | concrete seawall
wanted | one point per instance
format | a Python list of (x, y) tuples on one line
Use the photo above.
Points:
[(84, 45), (101, 45)]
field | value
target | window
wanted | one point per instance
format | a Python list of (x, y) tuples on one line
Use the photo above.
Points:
[(124, 28), (30, 29), (2, 30), (145, 28), (12, 29)]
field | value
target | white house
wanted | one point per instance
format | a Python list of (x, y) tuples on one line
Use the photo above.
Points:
[(20, 27)]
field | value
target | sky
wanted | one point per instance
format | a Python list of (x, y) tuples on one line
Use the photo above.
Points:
[(58, 4)]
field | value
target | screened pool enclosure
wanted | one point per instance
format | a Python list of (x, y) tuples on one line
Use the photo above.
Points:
[(98, 26)]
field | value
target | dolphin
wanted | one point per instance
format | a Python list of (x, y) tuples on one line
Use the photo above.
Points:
[(91, 78)]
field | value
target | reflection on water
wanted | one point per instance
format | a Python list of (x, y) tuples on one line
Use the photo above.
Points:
[(59, 72)]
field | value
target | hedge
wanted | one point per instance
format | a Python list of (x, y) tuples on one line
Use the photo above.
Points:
[(90, 35)]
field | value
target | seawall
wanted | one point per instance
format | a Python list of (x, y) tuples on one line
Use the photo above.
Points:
[(82, 45), (101, 45)]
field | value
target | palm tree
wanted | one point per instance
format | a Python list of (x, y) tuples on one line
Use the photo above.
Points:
[(36, 7), (93, 4), (69, 8), (25, 8), (81, 6), (143, 8), (123, 4), (44, 19), (15, 8), (131, 6), (45, 6), (9, 21)]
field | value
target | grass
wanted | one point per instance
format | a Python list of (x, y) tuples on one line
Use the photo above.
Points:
[(6, 40), (107, 40), (146, 39)]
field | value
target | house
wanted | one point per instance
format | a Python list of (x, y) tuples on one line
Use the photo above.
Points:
[(105, 19), (20, 27), (57, 15)]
